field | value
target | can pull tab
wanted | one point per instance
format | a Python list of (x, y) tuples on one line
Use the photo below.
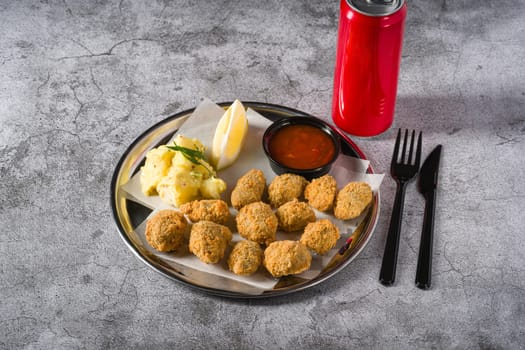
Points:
[(376, 7), (380, 2)]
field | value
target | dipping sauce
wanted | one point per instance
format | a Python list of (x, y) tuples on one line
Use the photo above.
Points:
[(300, 146)]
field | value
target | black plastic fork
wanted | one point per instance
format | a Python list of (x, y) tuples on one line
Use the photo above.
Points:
[(402, 171)]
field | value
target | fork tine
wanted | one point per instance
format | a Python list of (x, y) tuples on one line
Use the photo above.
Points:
[(404, 147), (396, 148), (409, 161), (418, 150)]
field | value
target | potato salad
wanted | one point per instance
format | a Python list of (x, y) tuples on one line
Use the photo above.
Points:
[(179, 173)]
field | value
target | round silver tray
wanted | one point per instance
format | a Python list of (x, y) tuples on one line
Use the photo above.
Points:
[(129, 214)]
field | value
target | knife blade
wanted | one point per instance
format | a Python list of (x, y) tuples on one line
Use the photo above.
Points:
[(427, 185)]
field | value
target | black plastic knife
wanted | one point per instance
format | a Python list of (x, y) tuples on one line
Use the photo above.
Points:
[(427, 185)]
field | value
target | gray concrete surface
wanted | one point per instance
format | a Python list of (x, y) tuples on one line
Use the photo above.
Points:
[(81, 79)]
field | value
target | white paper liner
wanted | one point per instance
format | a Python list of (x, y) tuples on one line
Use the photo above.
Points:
[(201, 125)]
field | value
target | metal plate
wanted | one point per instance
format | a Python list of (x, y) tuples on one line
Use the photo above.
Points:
[(128, 214)]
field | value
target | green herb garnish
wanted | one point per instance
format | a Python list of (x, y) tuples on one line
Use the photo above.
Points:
[(194, 156)]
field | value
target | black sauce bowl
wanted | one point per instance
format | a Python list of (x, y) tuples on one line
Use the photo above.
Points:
[(309, 174)]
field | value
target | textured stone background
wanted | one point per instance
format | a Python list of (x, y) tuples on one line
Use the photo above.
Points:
[(81, 79)]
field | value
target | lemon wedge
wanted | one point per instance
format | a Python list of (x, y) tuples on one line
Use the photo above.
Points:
[(230, 135)]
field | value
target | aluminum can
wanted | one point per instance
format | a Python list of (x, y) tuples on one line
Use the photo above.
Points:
[(367, 63)]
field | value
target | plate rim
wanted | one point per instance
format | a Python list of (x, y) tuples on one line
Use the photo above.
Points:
[(221, 292)]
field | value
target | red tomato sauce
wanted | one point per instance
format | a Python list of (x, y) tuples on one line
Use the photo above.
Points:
[(301, 147)]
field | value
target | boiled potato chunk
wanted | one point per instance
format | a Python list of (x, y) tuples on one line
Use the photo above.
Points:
[(205, 169), (158, 163), (186, 142), (212, 188), (179, 186), (180, 161)]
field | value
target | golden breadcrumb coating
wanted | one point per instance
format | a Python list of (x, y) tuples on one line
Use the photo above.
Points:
[(215, 210), (284, 188), (249, 188), (320, 193), (257, 222), (320, 236), (294, 215), (282, 258), (208, 241), (245, 258), (165, 230), (352, 200)]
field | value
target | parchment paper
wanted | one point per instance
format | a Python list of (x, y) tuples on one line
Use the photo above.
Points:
[(201, 125)]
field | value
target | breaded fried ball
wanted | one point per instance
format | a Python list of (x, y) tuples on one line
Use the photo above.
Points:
[(245, 258), (215, 210), (352, 200), (320, 236), (208, 241), (320, 193), (249, 188), (284, 188), (282, 258), (165, 230), (294, 215), (257, 222)]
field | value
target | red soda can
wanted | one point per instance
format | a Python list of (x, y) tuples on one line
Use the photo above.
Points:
[(367, 65)]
